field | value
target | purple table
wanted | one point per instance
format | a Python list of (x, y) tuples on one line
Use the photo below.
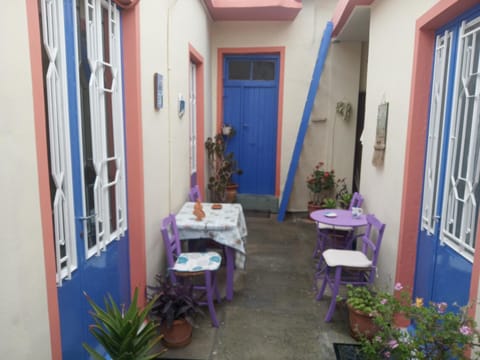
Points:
[(337, 219), (343, 218), (225, 226)]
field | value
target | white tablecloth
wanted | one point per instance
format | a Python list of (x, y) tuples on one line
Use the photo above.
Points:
[(226, 226)]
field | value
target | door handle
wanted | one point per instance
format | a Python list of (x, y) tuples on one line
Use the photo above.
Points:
[(83, 218)]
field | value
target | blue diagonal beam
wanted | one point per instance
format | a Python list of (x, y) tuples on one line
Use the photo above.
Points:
[(307, 111)]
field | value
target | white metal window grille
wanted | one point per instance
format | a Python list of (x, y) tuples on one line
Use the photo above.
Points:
[(193, 118), (99, 59), (436, 121), (462, 192), (53, 39)]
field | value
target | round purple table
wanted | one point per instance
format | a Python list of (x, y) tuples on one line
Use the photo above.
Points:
[(343, 218)]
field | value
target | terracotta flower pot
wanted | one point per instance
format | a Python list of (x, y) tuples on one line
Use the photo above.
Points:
[(231, 193), (179, 335), (361, 324), (313, 207)]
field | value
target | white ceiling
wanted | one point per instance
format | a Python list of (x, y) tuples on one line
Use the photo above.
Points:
[(357, 26)]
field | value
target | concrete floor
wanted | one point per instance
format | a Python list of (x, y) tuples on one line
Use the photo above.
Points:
[(274, 314)]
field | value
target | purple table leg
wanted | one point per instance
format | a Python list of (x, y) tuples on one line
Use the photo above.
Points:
[(230, 254)]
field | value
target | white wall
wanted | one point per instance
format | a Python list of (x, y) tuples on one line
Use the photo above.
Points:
[(24, 330), (167, 29), (301, 39), (390, 60)]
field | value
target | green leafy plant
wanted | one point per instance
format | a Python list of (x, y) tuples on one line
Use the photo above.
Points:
[(125, 334), (437, 334), (222, 165), (329, 203), (361, 298), (173, 301)]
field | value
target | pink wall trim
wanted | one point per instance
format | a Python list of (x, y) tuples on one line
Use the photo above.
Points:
[(197, 59), (43, 176), (343, 11), (253, 9), (257, 50), (438, 15), (134, 150)]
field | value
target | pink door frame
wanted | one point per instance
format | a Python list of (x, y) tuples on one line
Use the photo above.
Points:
[(197, 59), (134, 153), (443, 12)]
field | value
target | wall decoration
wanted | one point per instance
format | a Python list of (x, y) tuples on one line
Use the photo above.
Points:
[(181, 106), (381, 136), (158, 91), (344, 109)]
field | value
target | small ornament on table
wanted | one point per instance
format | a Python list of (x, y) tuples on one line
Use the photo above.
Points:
[(198, 211)]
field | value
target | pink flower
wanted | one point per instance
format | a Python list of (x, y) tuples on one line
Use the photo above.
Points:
[(398, 286), (442, 307), (393, 344), (383, 301), (466, 330), (387, 354)]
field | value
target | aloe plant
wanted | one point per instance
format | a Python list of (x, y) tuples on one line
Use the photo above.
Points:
[(124, 334)]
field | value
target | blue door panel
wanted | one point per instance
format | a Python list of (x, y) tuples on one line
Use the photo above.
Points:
[(108, 273), (452, 277), (72, 314), (98, 276), (425, 266), (251, 107), (443, 274), (259, 132)]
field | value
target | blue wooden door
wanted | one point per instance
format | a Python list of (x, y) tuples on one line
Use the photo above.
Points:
[(250, 104), (451, 190), (84, 97)]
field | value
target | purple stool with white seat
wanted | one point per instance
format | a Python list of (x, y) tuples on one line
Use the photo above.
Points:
[(356, 267), (191, 264)]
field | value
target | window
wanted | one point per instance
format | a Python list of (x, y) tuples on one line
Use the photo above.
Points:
[(57, 115), (251, 70), (99, 139), (437, 121), (101, 103), (452, 175), (462, 192)]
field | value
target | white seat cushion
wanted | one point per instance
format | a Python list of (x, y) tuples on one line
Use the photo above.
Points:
[(330, 227), (197, 261), (349, 258)]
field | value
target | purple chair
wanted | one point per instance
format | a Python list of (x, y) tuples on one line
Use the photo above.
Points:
[(190, 264), (356, 267), (195, 194), (326, 234)]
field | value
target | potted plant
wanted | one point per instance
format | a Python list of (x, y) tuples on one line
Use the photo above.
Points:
[(435, 334), (342, 195), (124, 333), (362, 304), (321, 184), (329, 203), (222, 167), (175, 307)]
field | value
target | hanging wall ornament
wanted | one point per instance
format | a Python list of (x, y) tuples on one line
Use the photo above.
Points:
[(381, 136)]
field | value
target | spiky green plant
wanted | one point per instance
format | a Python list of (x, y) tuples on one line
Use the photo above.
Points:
[(125, 335)]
